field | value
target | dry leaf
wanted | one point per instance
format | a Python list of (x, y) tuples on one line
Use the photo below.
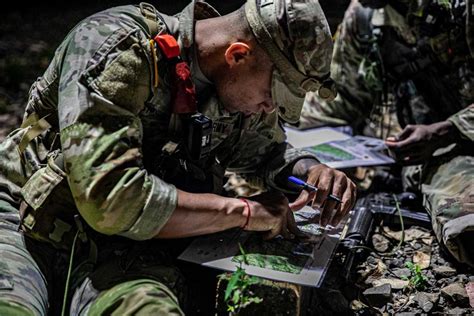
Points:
[(375, 273), (357, 305), (422, 259), (427, 241), (396, 284), (411, 233)]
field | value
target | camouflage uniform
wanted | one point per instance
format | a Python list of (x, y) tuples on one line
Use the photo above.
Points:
[(438, 86), (92, 173)]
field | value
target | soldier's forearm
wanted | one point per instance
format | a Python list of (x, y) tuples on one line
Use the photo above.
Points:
[(199, 214)]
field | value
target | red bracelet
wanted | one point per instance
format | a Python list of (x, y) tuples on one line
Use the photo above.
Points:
[(248, 214)]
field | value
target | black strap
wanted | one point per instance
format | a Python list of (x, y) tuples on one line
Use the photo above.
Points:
[(364, 27)]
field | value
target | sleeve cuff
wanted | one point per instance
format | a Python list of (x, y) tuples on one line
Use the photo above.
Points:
[(292, 155), (158, 208)]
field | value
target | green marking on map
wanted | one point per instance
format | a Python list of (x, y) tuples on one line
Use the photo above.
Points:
[(276, 254), (276, 263), (327, 153)]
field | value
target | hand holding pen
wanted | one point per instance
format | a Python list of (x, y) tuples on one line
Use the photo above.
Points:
[(311, 188), (327, 189)]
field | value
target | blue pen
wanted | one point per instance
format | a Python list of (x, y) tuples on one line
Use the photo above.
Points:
[(309, 187)]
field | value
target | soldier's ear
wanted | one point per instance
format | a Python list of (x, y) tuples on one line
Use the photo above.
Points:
[(237, 53)]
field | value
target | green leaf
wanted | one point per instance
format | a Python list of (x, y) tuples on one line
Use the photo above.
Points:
[(244, 255), (236, 297), (231, 285), (254, 280)]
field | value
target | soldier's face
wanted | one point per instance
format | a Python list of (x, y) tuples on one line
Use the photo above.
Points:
[(247, 88)]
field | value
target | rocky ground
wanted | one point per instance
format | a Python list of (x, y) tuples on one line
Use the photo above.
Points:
[(417, 278)]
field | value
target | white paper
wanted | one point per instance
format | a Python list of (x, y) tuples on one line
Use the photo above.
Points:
[(302, 262), (313, 137), (357, 151), (338, 150)]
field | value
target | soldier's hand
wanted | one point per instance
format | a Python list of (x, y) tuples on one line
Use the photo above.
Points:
[(417, 143), (328, 181), (271, 213)]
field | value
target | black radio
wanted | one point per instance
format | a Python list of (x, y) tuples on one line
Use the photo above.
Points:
[(199, 136)]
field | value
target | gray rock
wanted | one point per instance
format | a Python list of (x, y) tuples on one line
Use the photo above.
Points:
[(427, 306), (417, 246), (429, 274), (426, 300), (444, 272), (441, 261), (401, 272), (441, 301), (441, 282), (396, 284), (463, 278), (425, 249), (380, 242), (452, 280), (396, 263), (458, 311), (456, 293), (371, 260), (379, 295)]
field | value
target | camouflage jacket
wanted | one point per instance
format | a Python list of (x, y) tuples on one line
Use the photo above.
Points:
[(373, 46), (108, 126)]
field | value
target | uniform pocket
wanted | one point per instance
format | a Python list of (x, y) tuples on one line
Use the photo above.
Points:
[(41, 184)]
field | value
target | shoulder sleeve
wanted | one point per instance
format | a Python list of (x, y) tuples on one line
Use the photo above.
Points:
[(104, 83)]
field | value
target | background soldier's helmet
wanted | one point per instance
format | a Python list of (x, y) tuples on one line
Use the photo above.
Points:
[(296, 36)]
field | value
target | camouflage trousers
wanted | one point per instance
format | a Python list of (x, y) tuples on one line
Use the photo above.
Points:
[(447, 185), (128, 277), (448, 192)]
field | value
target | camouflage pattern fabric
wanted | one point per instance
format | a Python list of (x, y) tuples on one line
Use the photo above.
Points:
[(447, 187), (358, 78), (32, 276), (296, 36), (101, 158), (131, 277), (138, 297), (23, 288), (109, 137), (448, 193)]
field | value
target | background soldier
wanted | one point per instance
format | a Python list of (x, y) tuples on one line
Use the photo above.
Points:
[(417, 59), (113, 151)]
